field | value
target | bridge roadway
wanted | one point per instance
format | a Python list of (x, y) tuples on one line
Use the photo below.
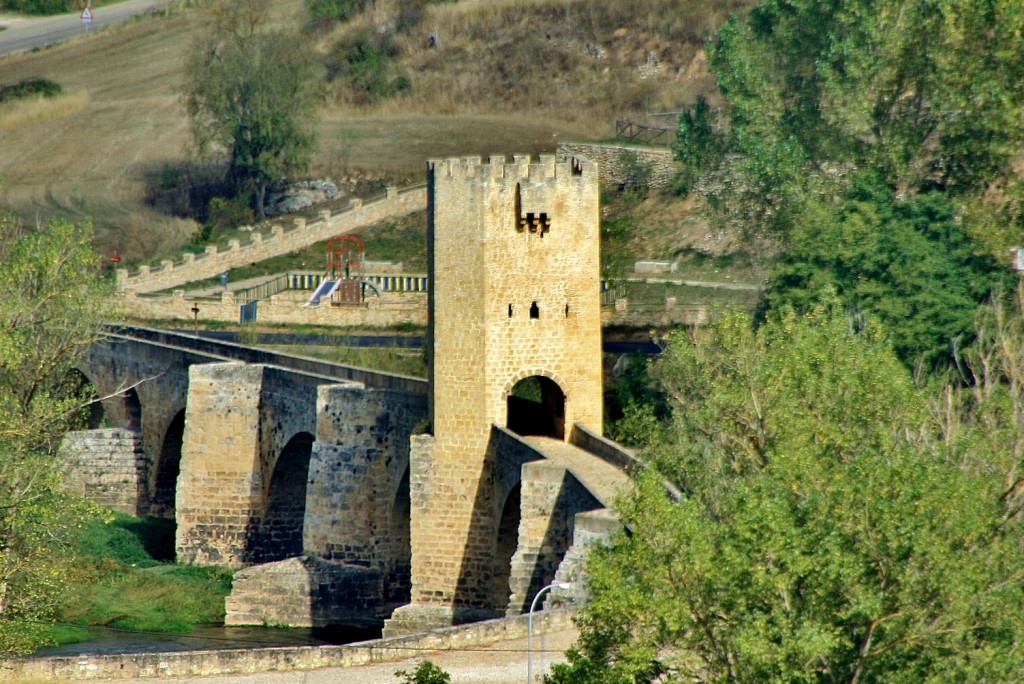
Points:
[(602, 479), (239, 352)]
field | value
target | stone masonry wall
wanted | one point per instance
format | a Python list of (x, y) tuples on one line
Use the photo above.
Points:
[(278, 242), (192, 664), (614, 159), (157, 376), (515, 283), (590, 528), (287, 427), (219, 485), (109, 467), (305, 592), (551, 498), (389, 310), (357, 510)]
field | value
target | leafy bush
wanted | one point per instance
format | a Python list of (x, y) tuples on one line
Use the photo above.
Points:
[(28, 88), (35, 6), (426, 673), (228, 212), (325, 13), (363, 62)]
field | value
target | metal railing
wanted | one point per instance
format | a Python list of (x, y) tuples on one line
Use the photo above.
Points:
[(310, 281), (648, 134)]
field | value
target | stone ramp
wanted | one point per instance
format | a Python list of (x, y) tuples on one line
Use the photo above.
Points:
[(602, 479)]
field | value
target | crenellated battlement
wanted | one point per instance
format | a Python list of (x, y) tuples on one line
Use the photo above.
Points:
[(521, 167)]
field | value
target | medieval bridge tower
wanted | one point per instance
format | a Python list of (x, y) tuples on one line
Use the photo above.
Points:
[(514, 266)]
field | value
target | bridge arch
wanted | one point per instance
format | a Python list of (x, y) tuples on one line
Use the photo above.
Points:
[(535, 404), (92, 415), (505, 544), (128, 409), (280, 532), (399, 582), (168, 467)]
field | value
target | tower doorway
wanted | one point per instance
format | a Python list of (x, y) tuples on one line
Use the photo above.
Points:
[(536, 406)]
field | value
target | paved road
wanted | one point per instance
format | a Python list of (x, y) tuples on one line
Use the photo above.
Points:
[(23, 33)]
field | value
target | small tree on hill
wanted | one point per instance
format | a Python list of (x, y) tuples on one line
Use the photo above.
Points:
[(251, 91)]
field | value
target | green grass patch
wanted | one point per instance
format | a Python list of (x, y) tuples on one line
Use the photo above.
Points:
[(123, 580), (127, 540), (160, 598), (411, 362)]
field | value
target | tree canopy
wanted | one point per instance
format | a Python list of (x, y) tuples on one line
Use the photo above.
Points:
[(908, 262), (924, 93), (828, 530), (252, 91), (52, 303), (871, 143)]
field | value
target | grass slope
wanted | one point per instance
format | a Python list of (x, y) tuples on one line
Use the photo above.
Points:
[(513, 76), (125, 580)]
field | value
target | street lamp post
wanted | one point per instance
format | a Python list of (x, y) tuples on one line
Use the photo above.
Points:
[(529, 626)]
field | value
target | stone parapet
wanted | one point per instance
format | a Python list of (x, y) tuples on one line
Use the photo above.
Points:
[(293, 659), (279, 241), (390, 309), (615, 160)]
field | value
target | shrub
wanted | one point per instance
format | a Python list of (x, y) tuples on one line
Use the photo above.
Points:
[(228, 212), (28, 88), (426, 673), (362, 61), (325, 13)]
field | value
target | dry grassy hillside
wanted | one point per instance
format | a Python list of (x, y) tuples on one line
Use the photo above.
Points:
[(511, 76)]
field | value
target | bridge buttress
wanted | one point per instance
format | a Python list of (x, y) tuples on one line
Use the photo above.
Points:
[(551, 498), (220, 482)]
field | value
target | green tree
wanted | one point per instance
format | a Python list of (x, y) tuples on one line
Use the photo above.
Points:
[(699, 145), (52, 302), (919, 91), (825, 532), (252, 92), (907, 262)]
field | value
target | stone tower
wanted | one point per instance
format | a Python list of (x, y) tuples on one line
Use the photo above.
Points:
[(514, 303)]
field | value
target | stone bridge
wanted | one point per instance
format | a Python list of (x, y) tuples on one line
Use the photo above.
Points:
[(352, 496), (298, 470)]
